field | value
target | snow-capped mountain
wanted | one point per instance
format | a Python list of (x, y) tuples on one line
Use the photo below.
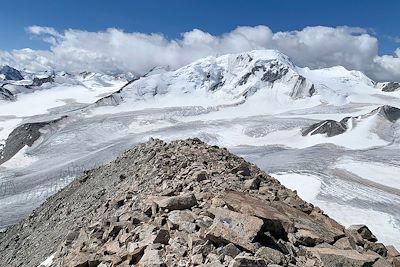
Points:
[(257, 104), (16, 82), (9, 73), (225, 79)]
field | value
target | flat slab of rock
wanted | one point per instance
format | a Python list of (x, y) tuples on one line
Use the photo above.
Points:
[(331, 257), (181, 202), (234, 227)]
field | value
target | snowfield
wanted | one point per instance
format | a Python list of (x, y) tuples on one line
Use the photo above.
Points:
[(255, 104)]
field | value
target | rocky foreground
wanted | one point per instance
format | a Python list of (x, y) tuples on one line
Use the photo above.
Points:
[(185, 204)]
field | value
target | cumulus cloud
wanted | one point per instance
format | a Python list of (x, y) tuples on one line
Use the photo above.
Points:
[(115, 51)]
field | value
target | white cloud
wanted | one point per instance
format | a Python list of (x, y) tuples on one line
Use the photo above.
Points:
[(116, 51)]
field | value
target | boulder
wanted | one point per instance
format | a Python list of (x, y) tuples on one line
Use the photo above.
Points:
[(182, 220), (242, 169), (181, 202), (331, 257), (346, 243), (246, 261), (252, 184), (382, 263), (152, 258), (234, 227), (392, 251), (364, 232), (376, 247), (271, 256)]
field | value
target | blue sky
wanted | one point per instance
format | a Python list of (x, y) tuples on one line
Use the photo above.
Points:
[(174, 17)]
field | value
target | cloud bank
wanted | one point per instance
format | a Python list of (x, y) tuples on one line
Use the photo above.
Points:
[(114, 51)]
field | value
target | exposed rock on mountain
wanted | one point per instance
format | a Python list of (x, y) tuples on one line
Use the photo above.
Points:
[(328, 127), (389, 86), (184, 204), (5, 94), (232, 78), (10, 73), (40, 81), (331, 128), (390, 113), (24, 135)]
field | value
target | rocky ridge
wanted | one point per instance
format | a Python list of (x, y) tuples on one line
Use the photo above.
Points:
[(185, 204)]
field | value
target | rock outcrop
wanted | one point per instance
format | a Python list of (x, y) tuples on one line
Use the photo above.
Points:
[(389, 86), (332, 128), (185, 204), (328, 127), (6, 94), (24, 135)]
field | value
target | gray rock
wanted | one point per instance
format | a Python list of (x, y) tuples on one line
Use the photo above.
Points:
[(364, 232), (246, 261), (336, 257), (270, 255), (181, 202), (152, 258), (230, 226)]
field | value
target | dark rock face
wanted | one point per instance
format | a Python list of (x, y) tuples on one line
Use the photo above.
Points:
[(328, 127), (6, 94), (11, 73), (115, 98), (149, 208), (40, 81), (302, 88), (391, 87), (24, 135), (390, 113), (333, 128)]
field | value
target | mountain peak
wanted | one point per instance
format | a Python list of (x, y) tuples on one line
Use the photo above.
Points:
[(10, 73)]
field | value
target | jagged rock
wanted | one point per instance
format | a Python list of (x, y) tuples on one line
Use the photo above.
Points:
[(336, 257), (152, 258), (230, 250), (197, 259), (392, 251), (346, 243), (183, 220), (271, 256), (245, 261), (230, 226), (242, 169), (200, 175), (252, 184), (364, 232), (112, 247), (162, 237), (376, 247), (382, 263), (396, 262)]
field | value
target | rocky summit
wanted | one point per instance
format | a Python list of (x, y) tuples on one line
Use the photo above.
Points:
[(185, 203)]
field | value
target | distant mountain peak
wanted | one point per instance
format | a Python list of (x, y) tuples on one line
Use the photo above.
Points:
[(10, 73)]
